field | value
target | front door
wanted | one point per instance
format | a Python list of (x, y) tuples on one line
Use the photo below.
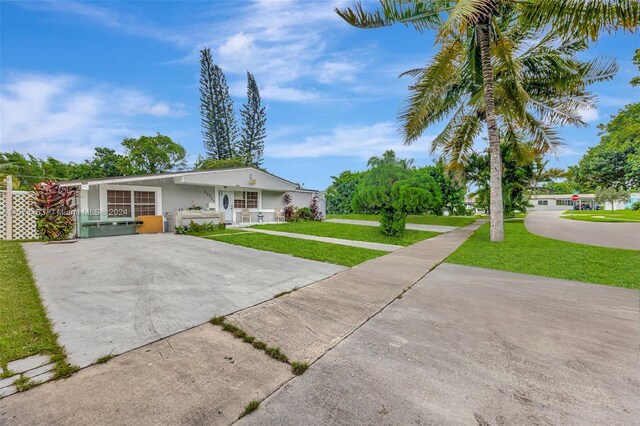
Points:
[(226, 205)]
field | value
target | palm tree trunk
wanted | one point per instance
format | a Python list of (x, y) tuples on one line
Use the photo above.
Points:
[(496, 206)]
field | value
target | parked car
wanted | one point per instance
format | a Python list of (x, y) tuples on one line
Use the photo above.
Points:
[(582, 207)]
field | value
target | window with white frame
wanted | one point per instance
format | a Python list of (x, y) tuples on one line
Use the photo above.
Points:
[(543, 202), (245, 199), (129, 203), (564, 202)]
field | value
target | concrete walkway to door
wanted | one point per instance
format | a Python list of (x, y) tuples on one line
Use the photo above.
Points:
[(413, 226), (616, 235), (340, 241)]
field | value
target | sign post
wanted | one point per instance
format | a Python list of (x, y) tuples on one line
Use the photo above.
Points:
[(575, 197)]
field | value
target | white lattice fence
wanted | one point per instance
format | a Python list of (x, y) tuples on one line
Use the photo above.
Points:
[(24, 220), (3, 215)]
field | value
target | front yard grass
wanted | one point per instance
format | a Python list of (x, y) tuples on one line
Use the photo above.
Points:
[(603, 215), (527, 253), (306, 249), (425, 219), (24, 327), (350, 232)]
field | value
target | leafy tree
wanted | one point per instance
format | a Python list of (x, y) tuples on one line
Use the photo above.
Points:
[(611, 195), (105, 163), (615, 161), (517, 174), (562, 187), (28, 169), (542, 174), (470, 29), (453, 192), (227, 163), (153, 154), (340, 193), (635, 81), (254, 118), (395, 190), (220, 131)]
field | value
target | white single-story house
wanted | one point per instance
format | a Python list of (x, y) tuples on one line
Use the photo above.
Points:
[(564, 202), (160, 202)]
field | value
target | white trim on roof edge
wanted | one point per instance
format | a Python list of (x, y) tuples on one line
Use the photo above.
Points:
[(125, 179)]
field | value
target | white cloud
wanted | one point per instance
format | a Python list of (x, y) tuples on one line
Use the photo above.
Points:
[(285, 45), (66, 117), (349, 141), (338, 71), (589, 114)]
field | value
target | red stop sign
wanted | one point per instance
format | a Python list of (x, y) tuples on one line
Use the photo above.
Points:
[(575, 197)]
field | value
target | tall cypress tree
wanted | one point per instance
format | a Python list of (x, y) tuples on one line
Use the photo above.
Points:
[(254, 117), (208, 100), (225, 116), (219, 126)]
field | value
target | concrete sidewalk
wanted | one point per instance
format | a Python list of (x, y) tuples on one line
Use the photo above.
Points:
[(340, 241), (476, 346), (413, 226), (307, 323), (204, 375), (615, 235)]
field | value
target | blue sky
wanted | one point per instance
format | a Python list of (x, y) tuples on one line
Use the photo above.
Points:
[(76, 75)]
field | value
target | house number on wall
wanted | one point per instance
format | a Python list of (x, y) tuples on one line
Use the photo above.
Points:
[(225, 202)]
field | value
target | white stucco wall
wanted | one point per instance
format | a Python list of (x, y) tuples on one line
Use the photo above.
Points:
[(273, 199)]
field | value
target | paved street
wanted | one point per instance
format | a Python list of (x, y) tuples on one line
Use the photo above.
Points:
[(616, 235)]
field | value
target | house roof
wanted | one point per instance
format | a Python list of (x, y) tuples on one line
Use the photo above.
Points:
[(559, 196), (136, 178)]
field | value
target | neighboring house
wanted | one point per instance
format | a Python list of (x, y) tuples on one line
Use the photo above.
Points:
[(564, 202), (117, 205)]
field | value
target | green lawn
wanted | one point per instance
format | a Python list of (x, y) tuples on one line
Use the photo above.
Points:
[(527, 253), (350, 232), (314, 250), (603, 215), (417, 219), (24, 327)]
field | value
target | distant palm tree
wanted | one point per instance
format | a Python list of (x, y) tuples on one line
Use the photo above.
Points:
[(472, 29)]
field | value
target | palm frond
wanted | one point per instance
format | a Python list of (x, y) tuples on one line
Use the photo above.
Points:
[(434, 94), (421, 15), (586, 18)]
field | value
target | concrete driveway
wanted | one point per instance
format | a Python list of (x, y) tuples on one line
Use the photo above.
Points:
[(110, 295), (475, 346), (551, 225)]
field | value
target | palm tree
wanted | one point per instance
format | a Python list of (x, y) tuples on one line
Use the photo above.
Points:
[(538, 85), (474, 24)]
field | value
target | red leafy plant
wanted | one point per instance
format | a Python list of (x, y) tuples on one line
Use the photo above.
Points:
[(55, 208), (289, 210), (315, 209)]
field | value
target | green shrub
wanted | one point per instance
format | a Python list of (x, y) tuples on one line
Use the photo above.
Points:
[(304, 214), (181, 230), (203, 227), (635, 206)]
